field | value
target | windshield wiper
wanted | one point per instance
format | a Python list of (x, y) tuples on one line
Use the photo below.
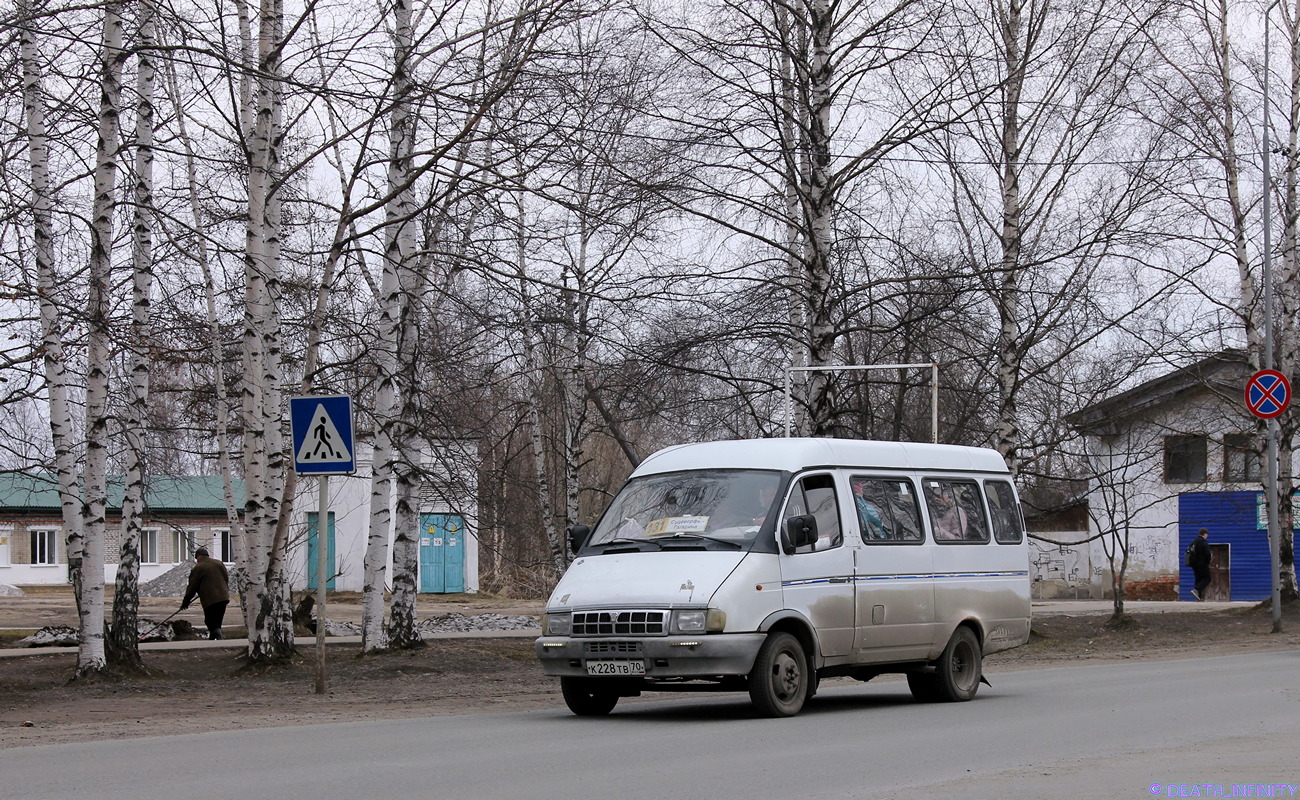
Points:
[(634, 542), (684, 535)]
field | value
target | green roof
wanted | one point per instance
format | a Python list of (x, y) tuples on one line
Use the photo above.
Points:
[(162, 493)]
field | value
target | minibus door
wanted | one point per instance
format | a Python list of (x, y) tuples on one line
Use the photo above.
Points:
[(893, 572), (817, 579)]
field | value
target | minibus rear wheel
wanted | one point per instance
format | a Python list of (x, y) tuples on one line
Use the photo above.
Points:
[(957, 671), (585, 698), (778, 683)]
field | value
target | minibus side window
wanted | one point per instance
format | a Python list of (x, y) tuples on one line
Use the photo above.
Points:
[(815, 495), (1008, 525), (956, 511), (887, 510)]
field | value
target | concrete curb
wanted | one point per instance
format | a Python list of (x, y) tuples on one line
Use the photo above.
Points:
[(302, 642), (1039, 608)]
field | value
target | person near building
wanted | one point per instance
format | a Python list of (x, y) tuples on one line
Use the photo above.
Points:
[(211, 584), (1199, 561)]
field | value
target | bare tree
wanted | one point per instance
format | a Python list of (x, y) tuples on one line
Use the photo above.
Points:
[(124, 648)]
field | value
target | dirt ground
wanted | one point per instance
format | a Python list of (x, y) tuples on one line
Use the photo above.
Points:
[(196, 690)]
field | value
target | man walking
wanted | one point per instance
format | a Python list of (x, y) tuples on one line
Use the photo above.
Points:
[(1199, 560), (210, 582)]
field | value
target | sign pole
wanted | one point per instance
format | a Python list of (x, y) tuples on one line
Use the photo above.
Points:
[(1268, 394), (1274, 430), (322, 446), (322, 566)]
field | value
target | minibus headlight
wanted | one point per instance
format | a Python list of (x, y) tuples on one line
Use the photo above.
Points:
[(699, 620), (557, 624)]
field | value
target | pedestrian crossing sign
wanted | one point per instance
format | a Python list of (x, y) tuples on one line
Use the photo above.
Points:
[(322, 435)]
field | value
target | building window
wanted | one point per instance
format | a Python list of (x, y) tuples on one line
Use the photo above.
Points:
[(149, 546), (6, 536), (183, 545), (1185, 459), (1242, 462), (227, 553), (45, 546)]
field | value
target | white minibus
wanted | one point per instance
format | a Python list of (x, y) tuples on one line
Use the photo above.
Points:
[(766, 565)]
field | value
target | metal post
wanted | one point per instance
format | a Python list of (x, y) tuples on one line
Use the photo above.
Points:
[(934, 403), (1274, 429), (789, 400), (322, 565)]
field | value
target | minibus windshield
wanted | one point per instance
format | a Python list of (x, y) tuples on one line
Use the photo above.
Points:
[(712, 507)]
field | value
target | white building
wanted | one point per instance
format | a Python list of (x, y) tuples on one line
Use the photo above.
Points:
[(185, 513), (1168, 457)]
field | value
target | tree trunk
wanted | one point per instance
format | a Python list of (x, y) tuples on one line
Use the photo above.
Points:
[(1007, 298), (48, 282), (820, 213), (91, 655), (267, 605), (124, 650)]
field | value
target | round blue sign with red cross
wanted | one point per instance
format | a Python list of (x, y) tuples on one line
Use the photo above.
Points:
[(1268, 393)]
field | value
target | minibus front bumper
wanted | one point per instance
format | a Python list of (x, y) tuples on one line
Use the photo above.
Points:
[(675, 656)]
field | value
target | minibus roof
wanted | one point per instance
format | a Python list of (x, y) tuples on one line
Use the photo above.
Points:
[(793, 455)]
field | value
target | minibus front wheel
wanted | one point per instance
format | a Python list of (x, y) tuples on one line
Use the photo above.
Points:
[(586, 698), (778, 683)]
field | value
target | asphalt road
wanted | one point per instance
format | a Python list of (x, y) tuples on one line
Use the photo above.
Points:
[(1131, 730)]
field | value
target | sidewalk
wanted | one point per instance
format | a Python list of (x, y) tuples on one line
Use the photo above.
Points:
[(1098, 607), (1083, 608), (304, 643)]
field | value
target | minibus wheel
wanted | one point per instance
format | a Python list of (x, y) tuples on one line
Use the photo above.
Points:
[(957, 671), (778, 683), (585, 698)]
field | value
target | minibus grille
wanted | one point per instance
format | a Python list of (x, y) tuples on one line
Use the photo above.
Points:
[(619, 623), (605, 648)]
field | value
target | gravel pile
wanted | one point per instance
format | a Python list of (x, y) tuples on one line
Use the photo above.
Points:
[(171, 583), (333, 628), (456, 623)]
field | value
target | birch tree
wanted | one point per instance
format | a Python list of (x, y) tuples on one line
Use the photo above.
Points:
[(53, 324), (1042, 214), (1205, 92), (90, 581), (819, 95), (270, 629), (124, 648)]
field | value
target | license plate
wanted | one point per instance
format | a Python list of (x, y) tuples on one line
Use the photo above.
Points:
[(630, 666)]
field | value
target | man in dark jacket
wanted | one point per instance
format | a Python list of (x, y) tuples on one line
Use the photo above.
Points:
[(209, 581), (1199, 561)]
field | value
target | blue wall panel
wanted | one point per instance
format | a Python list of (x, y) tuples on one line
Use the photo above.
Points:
[(1232, 518)]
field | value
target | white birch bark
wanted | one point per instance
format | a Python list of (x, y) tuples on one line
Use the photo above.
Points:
[(91, 650), (1286, 297), (534, 368), (52, 325), (820, 213), (1007, 298), (124, 644), (267, 605), (385, 523)]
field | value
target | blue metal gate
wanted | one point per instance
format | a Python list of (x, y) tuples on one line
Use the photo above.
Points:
[(442, 553), (1235, 519)]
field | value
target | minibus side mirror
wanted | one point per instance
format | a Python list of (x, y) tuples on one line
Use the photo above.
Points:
[(799, 531), (578, 537)]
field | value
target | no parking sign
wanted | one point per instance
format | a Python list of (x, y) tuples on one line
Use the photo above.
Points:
[(1268, 393)]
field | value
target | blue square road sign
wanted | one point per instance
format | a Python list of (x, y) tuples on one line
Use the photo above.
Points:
[(322, 435)]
